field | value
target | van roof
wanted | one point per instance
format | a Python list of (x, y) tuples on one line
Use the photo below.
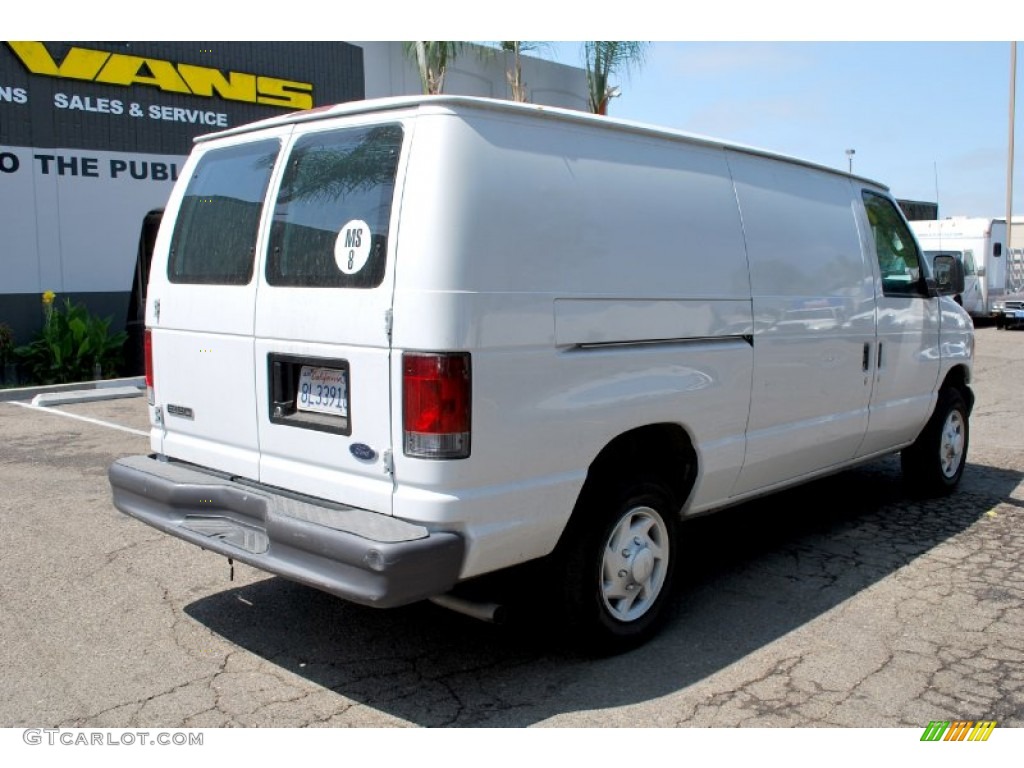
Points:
[(451, 104)]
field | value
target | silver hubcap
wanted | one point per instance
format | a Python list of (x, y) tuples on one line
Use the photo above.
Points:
[(951, 450), (635, 563)]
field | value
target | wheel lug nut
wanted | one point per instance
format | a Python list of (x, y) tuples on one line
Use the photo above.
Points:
[(626, 553), (622, 573), (636, 540)]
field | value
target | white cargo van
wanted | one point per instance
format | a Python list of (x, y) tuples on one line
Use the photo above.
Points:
[(979, 243), (396, 345)]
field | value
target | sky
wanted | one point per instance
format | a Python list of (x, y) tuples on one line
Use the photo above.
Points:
[(918, 115), (929, 119)]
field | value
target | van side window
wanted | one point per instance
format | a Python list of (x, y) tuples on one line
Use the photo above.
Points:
[(334, 209), (214, 240), (898, 258)]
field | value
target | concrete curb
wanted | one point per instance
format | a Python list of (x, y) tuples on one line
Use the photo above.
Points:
[(93, 388), (84, 396)]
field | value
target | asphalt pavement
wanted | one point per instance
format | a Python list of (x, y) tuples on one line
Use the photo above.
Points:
[(843, 603)]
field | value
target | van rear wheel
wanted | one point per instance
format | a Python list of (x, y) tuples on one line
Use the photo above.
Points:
[(617, 567), (934, 464)]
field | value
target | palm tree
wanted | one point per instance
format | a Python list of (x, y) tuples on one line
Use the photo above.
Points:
[(432, 58), (514, 74), (604, 58)]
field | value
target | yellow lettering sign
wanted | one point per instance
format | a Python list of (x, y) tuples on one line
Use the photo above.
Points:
[(284, 93), (132, 70), (78, 64), (126, 70), (237, 86)]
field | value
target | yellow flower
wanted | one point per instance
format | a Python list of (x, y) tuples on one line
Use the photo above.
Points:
[(48, 298)]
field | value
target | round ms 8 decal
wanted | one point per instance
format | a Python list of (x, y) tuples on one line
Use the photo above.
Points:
[(352, 248)]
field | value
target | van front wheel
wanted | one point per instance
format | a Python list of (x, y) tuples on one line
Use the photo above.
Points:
[(934, 464), (618, 567)]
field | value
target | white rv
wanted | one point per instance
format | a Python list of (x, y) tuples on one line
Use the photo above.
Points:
[(396, 345), (980, 244)]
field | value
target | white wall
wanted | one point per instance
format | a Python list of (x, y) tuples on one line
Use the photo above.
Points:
[(79, 231)]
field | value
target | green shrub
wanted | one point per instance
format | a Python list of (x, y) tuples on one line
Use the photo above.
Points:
[(72, 342), (6, 343)]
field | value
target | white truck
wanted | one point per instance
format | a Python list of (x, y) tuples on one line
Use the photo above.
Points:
[(393, 346), (980, 243)]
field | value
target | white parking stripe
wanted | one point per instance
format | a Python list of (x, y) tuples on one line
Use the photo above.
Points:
[(100, 422)]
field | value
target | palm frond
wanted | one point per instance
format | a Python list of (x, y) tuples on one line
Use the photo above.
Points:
[(432, 58), (605, 58)]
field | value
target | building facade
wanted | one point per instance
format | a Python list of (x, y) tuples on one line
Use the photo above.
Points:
[(94, 134)]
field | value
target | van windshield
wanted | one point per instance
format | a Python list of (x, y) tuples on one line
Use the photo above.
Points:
[(333, 210)]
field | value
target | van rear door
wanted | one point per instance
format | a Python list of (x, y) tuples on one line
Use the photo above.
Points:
[(322, 323), (201, 303)]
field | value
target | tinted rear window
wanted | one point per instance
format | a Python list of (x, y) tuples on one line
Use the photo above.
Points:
[(214, 239), (334, 208)]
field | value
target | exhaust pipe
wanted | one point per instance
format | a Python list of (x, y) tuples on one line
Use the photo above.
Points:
[(490, 612)]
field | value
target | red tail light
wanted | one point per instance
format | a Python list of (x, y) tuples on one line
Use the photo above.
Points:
[(147, 345), (436, 405)]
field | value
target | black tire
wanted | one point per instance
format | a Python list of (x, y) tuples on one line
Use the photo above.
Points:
[(617, 566), (934, 464)]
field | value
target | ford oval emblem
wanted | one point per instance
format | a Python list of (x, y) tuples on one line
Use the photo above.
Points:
[(362, 452)]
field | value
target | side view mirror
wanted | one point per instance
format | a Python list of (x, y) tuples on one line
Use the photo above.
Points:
[(949, 275)]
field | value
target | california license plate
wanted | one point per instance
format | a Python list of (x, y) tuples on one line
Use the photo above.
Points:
[(323, 390)]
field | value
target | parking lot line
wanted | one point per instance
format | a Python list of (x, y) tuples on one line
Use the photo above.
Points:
[(100, 422)]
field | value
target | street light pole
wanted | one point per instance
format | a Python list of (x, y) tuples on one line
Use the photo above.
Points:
[(1009, 160), (849, 156)]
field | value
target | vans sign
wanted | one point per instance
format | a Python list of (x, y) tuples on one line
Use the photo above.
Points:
[(121, 69)]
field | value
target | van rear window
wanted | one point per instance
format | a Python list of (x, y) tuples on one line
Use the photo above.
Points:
[(333, 211), (214, 240)]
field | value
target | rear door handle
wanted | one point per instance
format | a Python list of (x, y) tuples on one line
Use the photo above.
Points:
[(865, 362)]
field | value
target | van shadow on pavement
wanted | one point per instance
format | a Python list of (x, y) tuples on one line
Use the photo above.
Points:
[(749, 575)]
